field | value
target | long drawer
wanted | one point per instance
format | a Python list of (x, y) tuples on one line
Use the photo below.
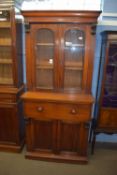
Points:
[(59, 111)]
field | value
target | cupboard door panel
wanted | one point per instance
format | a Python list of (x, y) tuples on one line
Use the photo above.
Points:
[(8, 125), (73, 138), (69, 136), (43, 134)]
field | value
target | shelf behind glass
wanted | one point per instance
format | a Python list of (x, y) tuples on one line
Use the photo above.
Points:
[(6, 81), (5, 61), (44, 78), (73, 79), (5, 55), (6, 76), (5, 43), (45, 64), (5, 24), (5, 37), (70, 44), (45, 44), (74, 65)]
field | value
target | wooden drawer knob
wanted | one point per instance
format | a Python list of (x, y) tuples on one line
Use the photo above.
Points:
[(73, 111), (40, 109)]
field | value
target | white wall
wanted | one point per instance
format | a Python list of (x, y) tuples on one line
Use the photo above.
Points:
[(61, 5)]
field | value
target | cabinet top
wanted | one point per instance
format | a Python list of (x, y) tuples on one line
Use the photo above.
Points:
[(58, 97), (62, 16)]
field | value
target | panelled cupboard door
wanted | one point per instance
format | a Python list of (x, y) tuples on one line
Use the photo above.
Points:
[(9, 125), (72, 138), (56, 136), (40, 135), (59, 61)]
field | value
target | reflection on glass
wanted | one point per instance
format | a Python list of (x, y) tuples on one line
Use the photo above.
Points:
[(44, 58), (74, 58), (110, 87)]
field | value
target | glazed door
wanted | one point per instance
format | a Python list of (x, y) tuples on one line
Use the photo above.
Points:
[(108, 106), (45, 55), (109, 99), (73, 46), (6, 63), (60, 57)]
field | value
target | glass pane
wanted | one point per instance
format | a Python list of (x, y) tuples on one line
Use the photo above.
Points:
[(74, 59), (44, 58), (110, 87), (6, 75)]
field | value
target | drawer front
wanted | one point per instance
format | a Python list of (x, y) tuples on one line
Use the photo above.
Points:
[(44, 110)]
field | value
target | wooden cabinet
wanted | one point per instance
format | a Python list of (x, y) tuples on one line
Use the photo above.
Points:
[(57, 105), (11, 79), (107, 108)]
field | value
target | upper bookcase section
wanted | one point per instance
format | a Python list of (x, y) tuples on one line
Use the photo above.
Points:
[(61, 5)]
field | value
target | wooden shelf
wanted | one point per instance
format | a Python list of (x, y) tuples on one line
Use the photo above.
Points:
[(6, 80), (5, 24), (5, 43), (45, 44), (74, 65), (74, 68), (45, 65), (44, 88), (70, 44), (112, 64), (5, 61)]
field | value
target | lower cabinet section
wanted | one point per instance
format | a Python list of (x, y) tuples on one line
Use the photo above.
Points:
[(57, 126), (11, 127), (57, 140)]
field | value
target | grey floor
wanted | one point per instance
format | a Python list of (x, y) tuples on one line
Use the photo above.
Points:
[(103, 162)]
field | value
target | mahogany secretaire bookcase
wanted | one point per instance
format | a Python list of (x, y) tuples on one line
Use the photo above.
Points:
[(11, 78), (58, 101)]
